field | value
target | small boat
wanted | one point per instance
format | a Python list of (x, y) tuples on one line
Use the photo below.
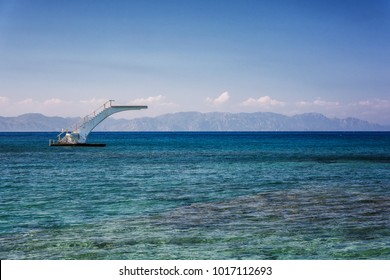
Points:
[(78, 136)]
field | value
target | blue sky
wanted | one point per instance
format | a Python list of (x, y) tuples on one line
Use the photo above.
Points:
[(66, 57)]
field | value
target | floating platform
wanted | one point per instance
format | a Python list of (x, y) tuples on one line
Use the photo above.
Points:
[(78, 144)]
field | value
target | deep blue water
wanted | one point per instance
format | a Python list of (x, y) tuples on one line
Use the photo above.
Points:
[(196, 196)]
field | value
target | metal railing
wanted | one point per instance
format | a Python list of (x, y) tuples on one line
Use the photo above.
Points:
[(96, 112)]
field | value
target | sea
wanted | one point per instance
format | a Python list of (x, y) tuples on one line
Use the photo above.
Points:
[(196, 195)]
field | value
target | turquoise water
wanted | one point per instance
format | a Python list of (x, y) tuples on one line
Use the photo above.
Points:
[(196, 196)]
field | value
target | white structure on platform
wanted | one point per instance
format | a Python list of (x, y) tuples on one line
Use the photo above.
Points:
[(80, 134)]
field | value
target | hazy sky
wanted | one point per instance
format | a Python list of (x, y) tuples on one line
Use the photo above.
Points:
[(66, 57)]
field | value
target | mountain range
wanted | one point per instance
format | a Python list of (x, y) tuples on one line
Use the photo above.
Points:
[(195, 121)]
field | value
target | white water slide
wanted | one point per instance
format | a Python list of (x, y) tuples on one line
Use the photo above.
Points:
[(81, 131)]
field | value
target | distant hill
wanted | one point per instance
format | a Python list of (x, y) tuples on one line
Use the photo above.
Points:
[(35, 122), (195, 121)]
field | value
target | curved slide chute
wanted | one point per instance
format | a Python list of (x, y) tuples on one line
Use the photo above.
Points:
[(80, 134)]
